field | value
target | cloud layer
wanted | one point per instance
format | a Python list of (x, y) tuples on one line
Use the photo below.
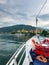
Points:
[(14, 12)]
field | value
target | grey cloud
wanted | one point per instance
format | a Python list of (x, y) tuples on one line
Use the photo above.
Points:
[(21, 14), (20, 9), (6, 12), (44, 17)]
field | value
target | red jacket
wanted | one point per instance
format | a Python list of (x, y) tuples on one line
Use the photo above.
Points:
[(40, 49)]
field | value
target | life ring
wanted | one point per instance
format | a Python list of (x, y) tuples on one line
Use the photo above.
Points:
[(41, 58)]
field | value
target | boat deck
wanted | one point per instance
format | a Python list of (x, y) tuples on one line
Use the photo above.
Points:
[(24, 52), (29, 45)]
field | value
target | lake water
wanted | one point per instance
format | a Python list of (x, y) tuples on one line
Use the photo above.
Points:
[(9, 44)]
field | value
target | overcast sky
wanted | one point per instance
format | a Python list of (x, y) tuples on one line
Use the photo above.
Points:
[(13, 12)]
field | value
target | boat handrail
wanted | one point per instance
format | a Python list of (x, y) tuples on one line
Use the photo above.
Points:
[(14, 59)]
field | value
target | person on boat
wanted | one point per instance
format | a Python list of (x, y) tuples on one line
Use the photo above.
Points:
[(41, 53)]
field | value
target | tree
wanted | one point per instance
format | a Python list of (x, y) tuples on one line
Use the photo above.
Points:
[(44, 33)]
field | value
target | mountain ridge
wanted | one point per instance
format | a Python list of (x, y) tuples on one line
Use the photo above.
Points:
[(16, 27)]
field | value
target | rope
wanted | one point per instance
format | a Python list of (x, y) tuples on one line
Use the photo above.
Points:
[(41, 8)]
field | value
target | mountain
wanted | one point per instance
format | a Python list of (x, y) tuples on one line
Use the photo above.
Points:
[(15, 28)]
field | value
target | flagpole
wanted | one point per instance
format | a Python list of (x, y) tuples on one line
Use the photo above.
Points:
[(38, 15), (36, 25)]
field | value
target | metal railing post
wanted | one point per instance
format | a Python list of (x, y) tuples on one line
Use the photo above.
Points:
[(15, 63)]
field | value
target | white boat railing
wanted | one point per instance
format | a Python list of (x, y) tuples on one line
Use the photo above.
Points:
[(18, 57)]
